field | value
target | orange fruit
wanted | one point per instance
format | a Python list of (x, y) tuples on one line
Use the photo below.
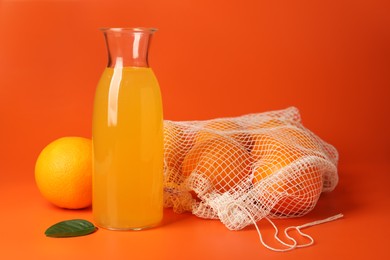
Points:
[(275, 122), (258, 128), (63, 172), (299, 137), (216, 129), (177, 142), (299, 192), (301, 187), (271, 123), (224, 128), (267, 146), (222, 162)]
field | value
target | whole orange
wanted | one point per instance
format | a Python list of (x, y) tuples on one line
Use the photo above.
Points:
[(300, 187), (222, 162), (225, 128), (269, 123), (299, 137), (63, 172), (214, 129), (260, 127), (269, 146), (178, 140)]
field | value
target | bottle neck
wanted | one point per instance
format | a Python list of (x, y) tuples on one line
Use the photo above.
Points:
[(128, 47)]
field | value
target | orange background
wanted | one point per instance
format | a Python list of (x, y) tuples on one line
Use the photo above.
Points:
[(330, 59)]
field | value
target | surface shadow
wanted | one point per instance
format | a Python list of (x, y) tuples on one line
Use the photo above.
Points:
[(170, 217)]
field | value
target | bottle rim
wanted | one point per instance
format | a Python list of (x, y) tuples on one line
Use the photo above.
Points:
[(128, 29)]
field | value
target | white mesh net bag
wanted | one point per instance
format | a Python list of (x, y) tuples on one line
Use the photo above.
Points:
[(242, 169)]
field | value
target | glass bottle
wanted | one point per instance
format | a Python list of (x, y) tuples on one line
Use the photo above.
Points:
[(127, 135)]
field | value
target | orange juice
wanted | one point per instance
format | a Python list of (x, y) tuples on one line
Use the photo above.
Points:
[(128, 149)]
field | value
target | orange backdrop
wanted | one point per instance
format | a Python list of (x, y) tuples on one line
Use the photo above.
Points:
[(331, 59)]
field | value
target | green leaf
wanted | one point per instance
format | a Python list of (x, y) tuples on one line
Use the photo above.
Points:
[(71, 228)]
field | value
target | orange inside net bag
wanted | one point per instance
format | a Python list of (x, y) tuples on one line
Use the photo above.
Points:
[(242, 169)]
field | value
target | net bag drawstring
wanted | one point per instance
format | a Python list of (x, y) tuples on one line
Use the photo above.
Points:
[(294, 244)]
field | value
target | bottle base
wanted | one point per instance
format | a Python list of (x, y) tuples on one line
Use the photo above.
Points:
[(128, 228)]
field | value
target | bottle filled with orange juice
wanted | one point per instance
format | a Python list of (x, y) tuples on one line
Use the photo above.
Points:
[(127, 135)]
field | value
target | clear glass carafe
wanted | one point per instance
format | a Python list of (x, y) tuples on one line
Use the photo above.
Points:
[(127, 135)]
